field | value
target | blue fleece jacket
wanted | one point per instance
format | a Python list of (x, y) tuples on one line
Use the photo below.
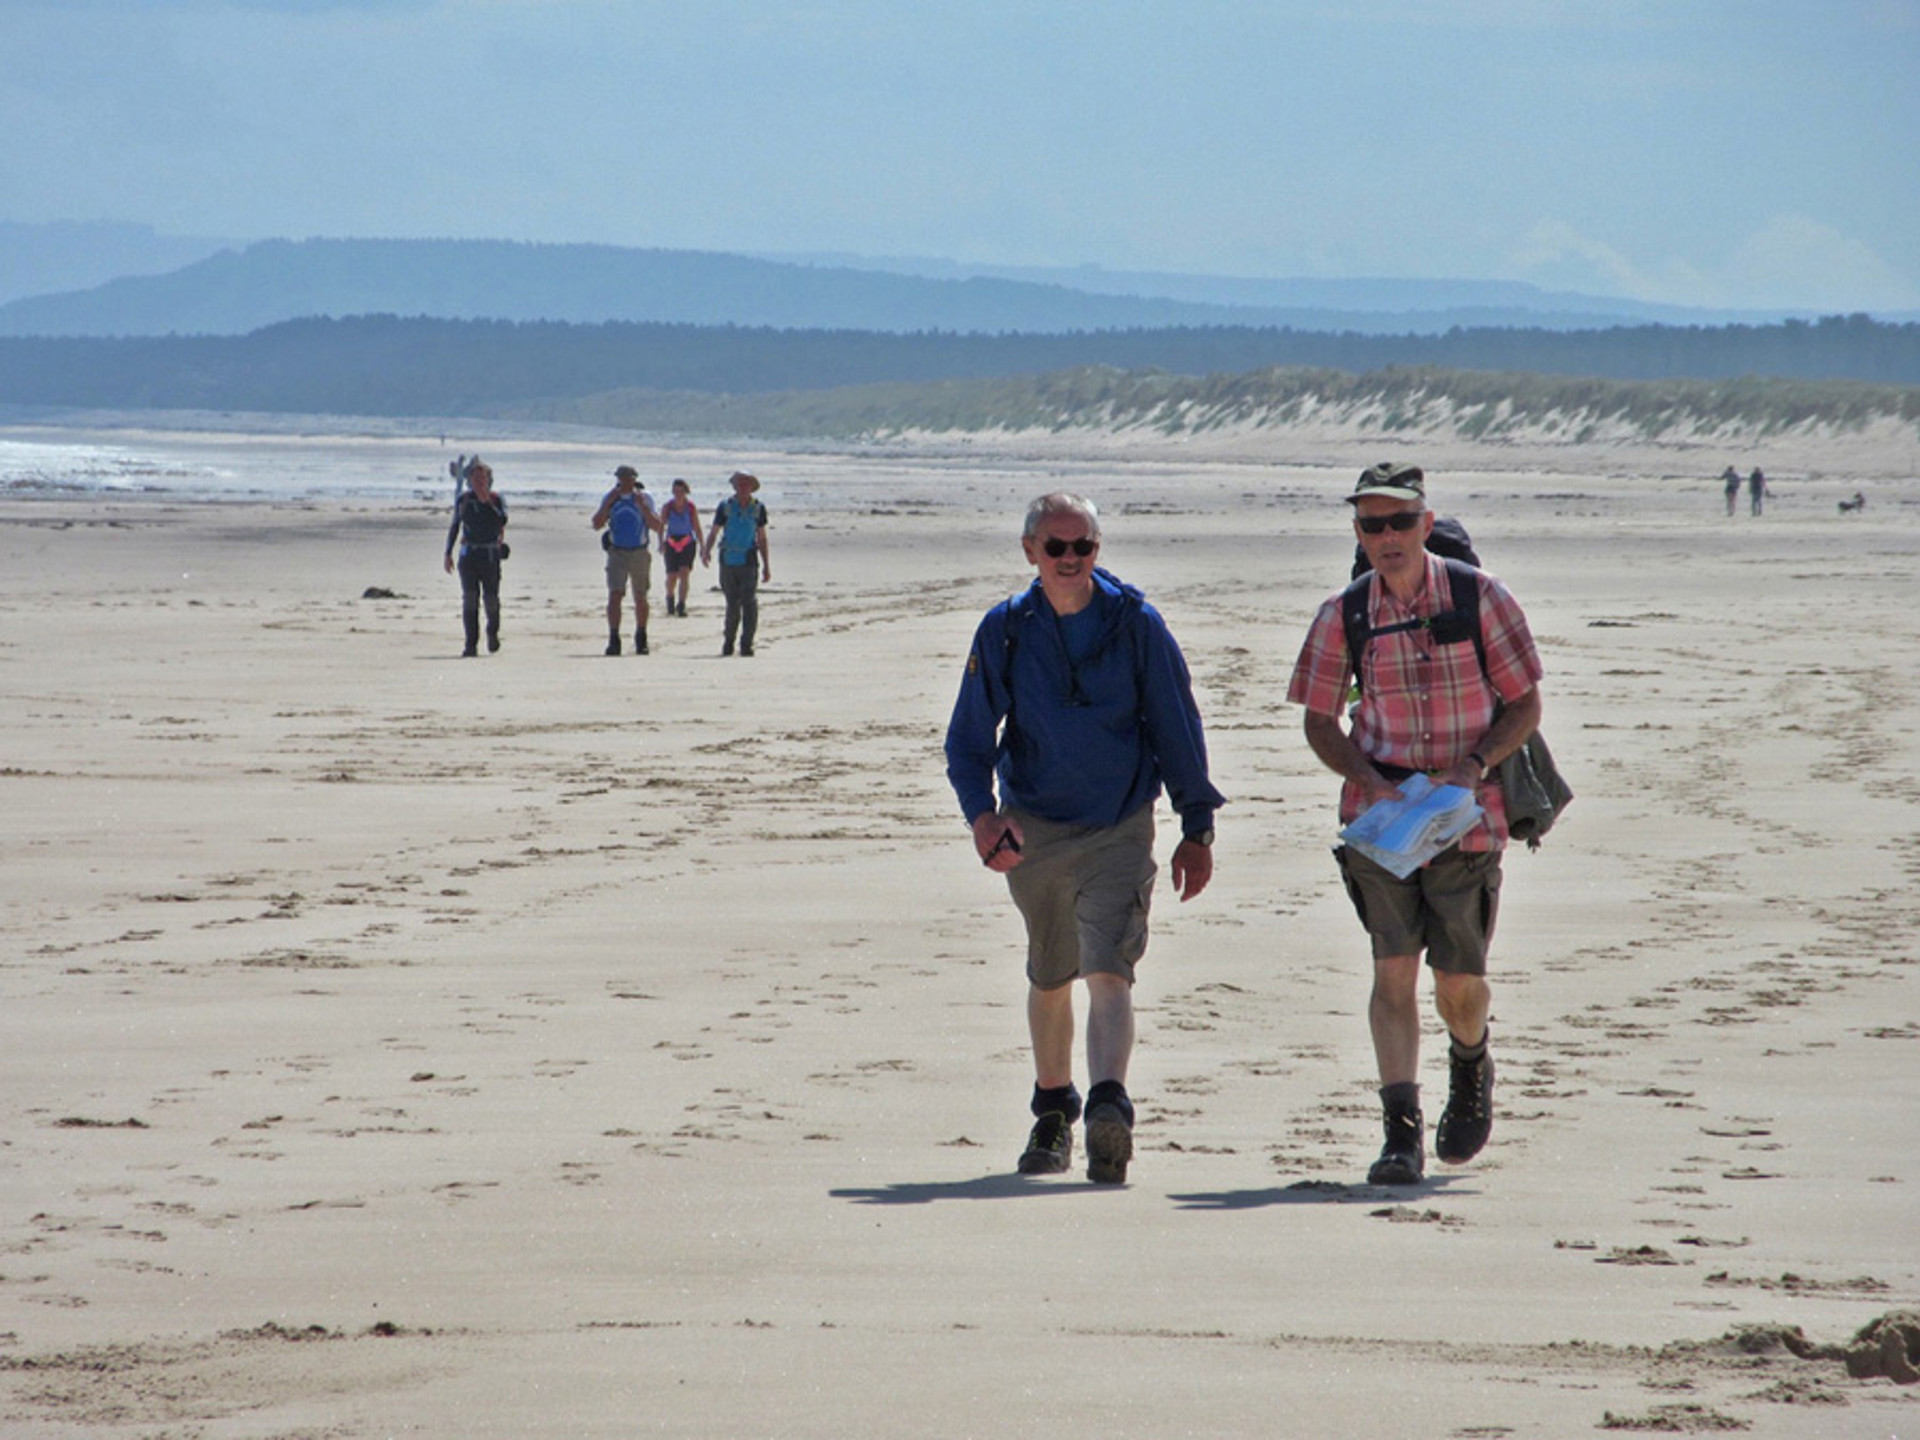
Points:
[(1083, 743)]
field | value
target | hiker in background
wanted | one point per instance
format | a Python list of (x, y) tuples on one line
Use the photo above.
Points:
[(740, 530), (1732, 478), (1434, 707), (627, 516), (1757, 488), (1076, 699), (679, 543), (479, 524)]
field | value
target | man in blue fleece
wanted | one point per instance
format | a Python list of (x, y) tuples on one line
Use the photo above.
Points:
[(1077, 700)]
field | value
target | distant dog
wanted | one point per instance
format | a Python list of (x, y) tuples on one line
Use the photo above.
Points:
[(1858, 502)]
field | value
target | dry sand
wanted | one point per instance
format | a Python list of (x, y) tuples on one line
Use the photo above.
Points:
[(549, 1045)]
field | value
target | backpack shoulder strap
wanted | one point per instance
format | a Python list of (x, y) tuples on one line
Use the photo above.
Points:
[(1463, 593), (1463, 584), (1353, 618)]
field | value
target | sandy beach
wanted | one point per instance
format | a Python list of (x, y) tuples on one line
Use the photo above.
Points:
[(553, 1045)]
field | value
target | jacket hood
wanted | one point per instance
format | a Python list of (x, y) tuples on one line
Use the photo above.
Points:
[(1113, 597)]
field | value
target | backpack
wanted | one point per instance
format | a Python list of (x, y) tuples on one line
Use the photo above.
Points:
[(739, 536), (1535, 790)]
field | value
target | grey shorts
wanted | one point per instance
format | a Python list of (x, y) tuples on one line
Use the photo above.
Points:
[(1084, 892), (1447, 907), (622, 564)]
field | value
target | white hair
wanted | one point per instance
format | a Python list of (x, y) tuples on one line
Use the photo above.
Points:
[(1061, 503)]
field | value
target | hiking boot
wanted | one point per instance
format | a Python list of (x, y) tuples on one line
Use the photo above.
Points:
[(470, 652), (640, 642), (493, 642), (1049, 1147), (746, 652), (1403, 1160), (1468, 1118), (613, 645), (1109, 1145), (726, 647)]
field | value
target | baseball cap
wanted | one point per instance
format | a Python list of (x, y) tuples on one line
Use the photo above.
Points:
[(1393, 482)]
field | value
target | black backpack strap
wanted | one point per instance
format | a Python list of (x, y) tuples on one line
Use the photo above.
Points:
[(1463, 594), (1463, 585), (1353, 618)]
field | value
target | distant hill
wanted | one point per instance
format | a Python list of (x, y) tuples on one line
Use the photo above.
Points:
[(238, 291), (64, 255), (1369, 305)]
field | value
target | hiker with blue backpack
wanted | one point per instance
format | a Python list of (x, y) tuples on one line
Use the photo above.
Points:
[(626, 520), (1448, 680), (739, 531)]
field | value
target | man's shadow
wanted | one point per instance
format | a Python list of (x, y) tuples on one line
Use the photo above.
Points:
[(981, 1187), (1320, 1192), (1021, 1187)]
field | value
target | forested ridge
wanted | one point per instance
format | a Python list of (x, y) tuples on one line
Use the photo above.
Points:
[(389, 366)]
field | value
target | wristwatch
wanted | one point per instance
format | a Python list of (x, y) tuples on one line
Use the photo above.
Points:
[(1480, 761), (1202, 837)]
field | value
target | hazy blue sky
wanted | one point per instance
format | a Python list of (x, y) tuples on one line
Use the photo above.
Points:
[(1711, 152)]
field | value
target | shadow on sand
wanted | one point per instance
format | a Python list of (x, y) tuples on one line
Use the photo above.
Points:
[(982, 1187), (1319, 1192), (1019, 1187)]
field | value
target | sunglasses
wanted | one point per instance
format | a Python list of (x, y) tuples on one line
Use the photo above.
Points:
[(1380, 524), (1083, 548)]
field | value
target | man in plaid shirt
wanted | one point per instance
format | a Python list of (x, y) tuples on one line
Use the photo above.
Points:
[(1425, 704)]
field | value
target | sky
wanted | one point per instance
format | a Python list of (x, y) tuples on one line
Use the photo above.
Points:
[(1719, 153)]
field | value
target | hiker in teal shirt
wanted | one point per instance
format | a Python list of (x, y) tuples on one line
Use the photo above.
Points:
[(740, 530)]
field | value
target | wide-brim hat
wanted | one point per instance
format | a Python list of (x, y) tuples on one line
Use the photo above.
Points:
[(753, 481), (1390, 482), (626, 472)]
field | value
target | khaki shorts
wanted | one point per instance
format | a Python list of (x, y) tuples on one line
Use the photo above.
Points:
[(1447, 907), (622, 564), (1084, 892)]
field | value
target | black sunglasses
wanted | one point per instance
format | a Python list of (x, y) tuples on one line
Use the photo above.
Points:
[(1380, 524), (1083, 548)]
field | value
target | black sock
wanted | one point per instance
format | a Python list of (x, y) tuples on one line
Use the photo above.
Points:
[(1063, 1098), (1111, 1092), (1401, 1097), (1470, 1054)]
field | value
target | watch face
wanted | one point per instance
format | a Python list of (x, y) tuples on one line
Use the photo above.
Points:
[(1205, 837)]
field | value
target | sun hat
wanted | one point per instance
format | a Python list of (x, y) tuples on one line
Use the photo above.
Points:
[(753, 481), (626, 472)]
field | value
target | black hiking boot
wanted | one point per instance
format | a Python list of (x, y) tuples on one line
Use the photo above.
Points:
[(1468, 1118), (1109, 1144), (640, 641), (613, 643), (1049, 1147), (1403, 1160)]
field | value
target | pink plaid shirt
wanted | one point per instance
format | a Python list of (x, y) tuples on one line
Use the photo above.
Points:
[(1422, 706)]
